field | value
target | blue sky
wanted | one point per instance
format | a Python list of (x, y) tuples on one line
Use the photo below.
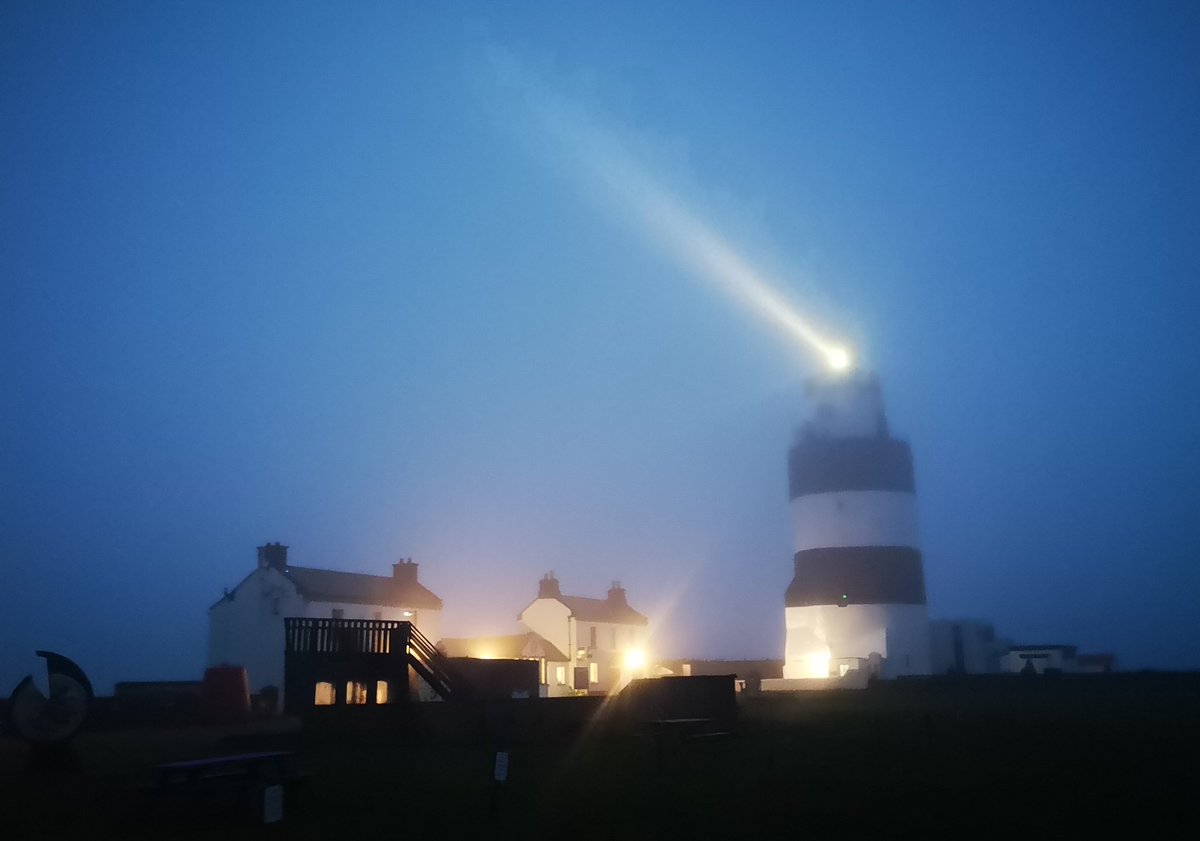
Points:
[(305, 273)]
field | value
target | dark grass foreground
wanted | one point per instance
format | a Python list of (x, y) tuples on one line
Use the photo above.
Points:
[(967, 758)]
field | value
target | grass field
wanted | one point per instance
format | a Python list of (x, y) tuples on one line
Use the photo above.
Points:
[(967, 758)]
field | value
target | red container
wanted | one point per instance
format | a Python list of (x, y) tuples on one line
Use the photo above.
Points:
[(225, 694)]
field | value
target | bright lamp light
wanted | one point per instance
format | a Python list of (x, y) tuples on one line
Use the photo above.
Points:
[(838, 358), (634, 659)]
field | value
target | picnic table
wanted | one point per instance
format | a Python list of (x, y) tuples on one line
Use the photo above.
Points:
[(680, 726), (240, 786), (263, 767), (674, 731)]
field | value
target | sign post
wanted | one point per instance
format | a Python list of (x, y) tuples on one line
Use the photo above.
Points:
[(499, 776)]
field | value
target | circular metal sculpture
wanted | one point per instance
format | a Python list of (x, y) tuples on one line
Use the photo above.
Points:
[(43, 720)]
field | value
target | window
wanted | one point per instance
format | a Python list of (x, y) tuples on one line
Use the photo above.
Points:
[(593, 672), (560, 675), (542, 671), (592, 637), (339, 613), (356, 692), (381, 692), (324, 694)]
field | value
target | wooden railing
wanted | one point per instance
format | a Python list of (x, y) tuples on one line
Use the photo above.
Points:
[(360, 636)]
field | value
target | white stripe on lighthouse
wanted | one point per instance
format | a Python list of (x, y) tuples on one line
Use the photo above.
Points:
[(855, 518)]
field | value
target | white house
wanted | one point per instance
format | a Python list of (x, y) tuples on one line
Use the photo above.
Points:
[(604, 640), (245, 628)]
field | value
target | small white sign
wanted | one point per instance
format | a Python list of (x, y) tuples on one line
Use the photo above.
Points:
[(273, 804), (501, 766)]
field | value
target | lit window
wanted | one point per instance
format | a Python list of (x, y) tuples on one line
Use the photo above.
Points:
[(356, 692), (593, 672), (324, 694), (542, 671), (560, 675), (381, 692)]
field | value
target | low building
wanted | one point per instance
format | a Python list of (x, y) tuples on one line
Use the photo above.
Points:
[(965, 647), (1096, 663), (1039, 659), (359, 663), (604, 640), (245, 628), (748, 674), (554, 666)]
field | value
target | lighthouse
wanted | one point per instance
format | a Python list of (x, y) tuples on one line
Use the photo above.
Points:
[(857, 598)]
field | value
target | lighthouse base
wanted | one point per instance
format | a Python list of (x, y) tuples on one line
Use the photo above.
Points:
[(883, 640)]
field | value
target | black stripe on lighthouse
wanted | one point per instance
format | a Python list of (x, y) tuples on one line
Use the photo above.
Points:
[(857, 575), (829, 465)]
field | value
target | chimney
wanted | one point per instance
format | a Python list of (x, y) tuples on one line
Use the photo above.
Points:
[(404, 573), (272, 555), (616, 593), (548, 587)]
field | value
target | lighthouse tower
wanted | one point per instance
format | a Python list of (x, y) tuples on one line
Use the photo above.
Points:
[(858, 594)]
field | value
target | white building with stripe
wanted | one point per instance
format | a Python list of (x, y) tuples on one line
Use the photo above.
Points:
[(857, 599)]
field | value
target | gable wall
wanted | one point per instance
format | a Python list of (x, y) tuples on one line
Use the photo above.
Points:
[(247, 630)]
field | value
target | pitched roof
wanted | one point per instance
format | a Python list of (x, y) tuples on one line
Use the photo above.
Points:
[(327, 585), (510, 647), (603, 610)]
